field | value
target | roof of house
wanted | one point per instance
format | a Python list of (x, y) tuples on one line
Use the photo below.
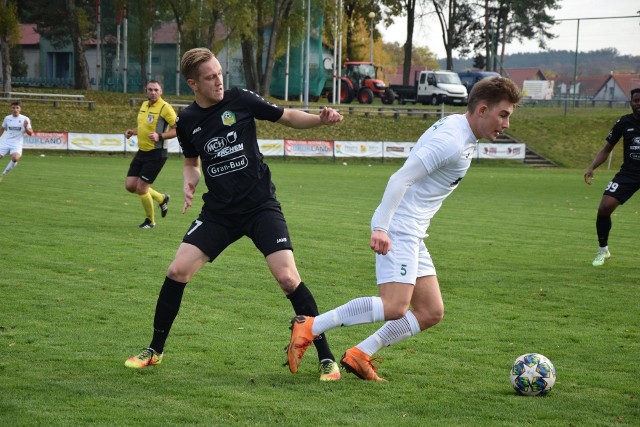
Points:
[(166, 33), (588, 85), (625, 81), (519, 75), (28, 34)]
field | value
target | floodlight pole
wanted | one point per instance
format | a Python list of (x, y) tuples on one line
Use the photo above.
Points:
[(372, 15), (308, 57)]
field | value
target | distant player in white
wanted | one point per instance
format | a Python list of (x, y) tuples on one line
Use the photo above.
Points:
[(405, 272), (16, 125)]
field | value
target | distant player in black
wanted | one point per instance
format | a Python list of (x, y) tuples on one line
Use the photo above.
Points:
[(219, 130), (627, 180)]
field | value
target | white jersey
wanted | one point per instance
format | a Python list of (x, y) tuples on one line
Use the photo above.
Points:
[(434, 168), (14, 129)]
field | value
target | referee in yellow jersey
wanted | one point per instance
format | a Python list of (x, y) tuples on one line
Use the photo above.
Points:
[(156, 124)]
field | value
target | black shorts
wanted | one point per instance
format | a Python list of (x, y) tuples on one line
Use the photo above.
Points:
[(266, 227), (622, 187), (147, 165)]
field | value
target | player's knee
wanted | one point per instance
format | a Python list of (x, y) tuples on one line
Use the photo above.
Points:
[(433, 318), (178, 273), (429, 318), (288, 282)]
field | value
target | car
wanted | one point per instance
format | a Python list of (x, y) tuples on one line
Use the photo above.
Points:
[(469, 78)]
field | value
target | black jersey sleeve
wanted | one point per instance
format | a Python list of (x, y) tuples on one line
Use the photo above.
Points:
[(616, 132), (184, 135), (262, 109)]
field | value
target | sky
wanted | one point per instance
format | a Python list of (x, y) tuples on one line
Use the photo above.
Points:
[(622, 34)]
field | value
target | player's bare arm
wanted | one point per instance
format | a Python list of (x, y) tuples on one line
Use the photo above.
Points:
[(600, 158), (191, 174), (298, 119), (27, 128)]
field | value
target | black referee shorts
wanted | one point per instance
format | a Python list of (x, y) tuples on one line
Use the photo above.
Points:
[(266, 227), (147, 165)]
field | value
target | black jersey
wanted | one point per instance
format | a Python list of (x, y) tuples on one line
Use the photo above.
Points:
[(628, 128), (224, 137)]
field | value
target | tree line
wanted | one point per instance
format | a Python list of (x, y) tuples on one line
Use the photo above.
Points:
[(481, 28)]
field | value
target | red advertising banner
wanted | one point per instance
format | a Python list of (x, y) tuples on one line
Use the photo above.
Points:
[(308, 148)]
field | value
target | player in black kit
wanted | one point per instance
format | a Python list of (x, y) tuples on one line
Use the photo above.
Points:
[(626, 182), (219, 130)]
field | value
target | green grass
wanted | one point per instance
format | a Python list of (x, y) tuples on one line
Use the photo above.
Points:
[(513, 247)]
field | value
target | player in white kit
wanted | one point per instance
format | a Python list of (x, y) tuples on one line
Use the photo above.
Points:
[(15, 125), (405, 273)]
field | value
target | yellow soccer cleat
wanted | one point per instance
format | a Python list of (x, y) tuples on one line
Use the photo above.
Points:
[(147, 357)]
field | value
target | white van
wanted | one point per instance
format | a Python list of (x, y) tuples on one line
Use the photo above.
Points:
[(433, 87), (439, 87)]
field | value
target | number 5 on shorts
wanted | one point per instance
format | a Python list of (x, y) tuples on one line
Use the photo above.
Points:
[(403, 270)]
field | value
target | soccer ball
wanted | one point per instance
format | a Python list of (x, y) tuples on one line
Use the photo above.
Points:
[(532, 374)]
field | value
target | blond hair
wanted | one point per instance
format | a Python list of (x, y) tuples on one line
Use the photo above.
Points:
[(191, 61)]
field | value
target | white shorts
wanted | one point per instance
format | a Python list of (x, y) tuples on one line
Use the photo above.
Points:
[(7, 148), (407, 260)]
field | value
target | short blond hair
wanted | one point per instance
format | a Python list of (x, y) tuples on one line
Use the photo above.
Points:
[(191, 61)]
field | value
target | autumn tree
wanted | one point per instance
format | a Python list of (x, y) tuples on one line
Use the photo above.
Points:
[(9, 37), (509, 20), (406, 8), (458, 25)]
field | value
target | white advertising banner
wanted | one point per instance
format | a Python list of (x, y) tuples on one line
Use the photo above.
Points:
[(111, 143), (357, 149), (271, 147), (308, 148), (397, 149), (46, 141), (487, 150), (96, 142), (268, 147), (173, 145)]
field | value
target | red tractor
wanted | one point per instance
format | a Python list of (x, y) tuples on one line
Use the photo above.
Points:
[(359, 80)]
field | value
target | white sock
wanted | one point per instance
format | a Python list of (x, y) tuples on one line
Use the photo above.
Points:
[(604, 248), (391, 333), (10, 166), (355, 312)]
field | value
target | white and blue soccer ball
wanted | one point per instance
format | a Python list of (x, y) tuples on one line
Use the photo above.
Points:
[(532, 374)]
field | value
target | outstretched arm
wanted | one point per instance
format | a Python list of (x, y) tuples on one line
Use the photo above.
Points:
[(298, 119)]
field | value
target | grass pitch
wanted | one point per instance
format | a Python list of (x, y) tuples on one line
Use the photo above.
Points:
[(513, 247)]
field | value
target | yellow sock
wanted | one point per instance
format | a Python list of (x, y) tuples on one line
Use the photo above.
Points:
[(147, 204), (156, 196)]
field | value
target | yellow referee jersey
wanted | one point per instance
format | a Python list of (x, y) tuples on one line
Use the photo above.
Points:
[(154, 118)]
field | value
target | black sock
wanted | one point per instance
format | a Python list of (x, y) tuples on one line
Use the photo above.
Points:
[(166, 311), (304, 304), (603, 226)]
